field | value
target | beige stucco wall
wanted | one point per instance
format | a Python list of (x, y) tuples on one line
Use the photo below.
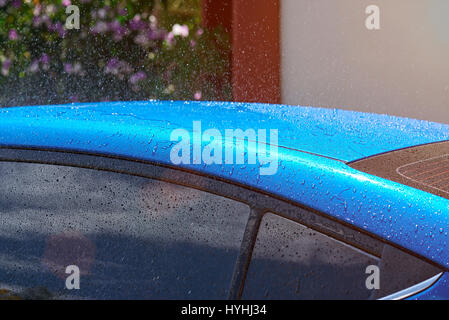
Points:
[(330, 59)]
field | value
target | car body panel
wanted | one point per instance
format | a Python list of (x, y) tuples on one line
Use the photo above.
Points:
[(407, 217), (338, 134)]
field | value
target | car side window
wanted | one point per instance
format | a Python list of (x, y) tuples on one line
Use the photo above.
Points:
[(399, 271), (130, 237), (292, 261)]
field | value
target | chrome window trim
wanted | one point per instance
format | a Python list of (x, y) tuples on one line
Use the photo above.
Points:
[(417, 288)]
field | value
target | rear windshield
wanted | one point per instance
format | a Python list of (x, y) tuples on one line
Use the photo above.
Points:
[(424, 167)]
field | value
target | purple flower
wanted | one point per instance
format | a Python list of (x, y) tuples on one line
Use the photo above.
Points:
[(34, 67), (2, 3), (118, 35), (122, 11), (102, 13), (100, 27), (68, 67), (57, 27), (117, 67), (72, 69), (17, 4), (45, 59), (156, 34), (37, 10), (13, 35), (6, 64), (141, 39), (170, 38), (137, 77), (114, 25), (36, 21), (137, 24), (198, 95), (118, 30), (5, 67), (66, 3), (113, 64)]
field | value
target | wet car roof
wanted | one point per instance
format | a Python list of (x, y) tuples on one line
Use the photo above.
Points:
[(410, 218), (338, 134)]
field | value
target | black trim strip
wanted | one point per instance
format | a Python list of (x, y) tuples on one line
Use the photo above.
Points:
[(246, 250), (349, 163)]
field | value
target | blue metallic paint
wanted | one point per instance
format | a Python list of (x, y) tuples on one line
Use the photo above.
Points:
[(338, 134)]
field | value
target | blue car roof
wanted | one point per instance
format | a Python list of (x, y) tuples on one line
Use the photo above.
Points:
[(338, 134), (410, 218)]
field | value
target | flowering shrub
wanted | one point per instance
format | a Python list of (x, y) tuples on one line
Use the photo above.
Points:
[(124, 50)]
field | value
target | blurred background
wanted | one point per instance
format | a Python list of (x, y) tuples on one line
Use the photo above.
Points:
[(330, 59), (123, 50), (299, 52)]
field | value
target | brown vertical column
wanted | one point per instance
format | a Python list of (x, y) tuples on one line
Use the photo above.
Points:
[(217, 13), (255, 39), (256, 51)]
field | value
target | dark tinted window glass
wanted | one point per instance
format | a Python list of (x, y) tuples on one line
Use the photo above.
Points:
[(399, 271), (131, 237), (291, 261)]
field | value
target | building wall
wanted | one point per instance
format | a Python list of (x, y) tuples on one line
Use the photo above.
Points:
[(330, 59)]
